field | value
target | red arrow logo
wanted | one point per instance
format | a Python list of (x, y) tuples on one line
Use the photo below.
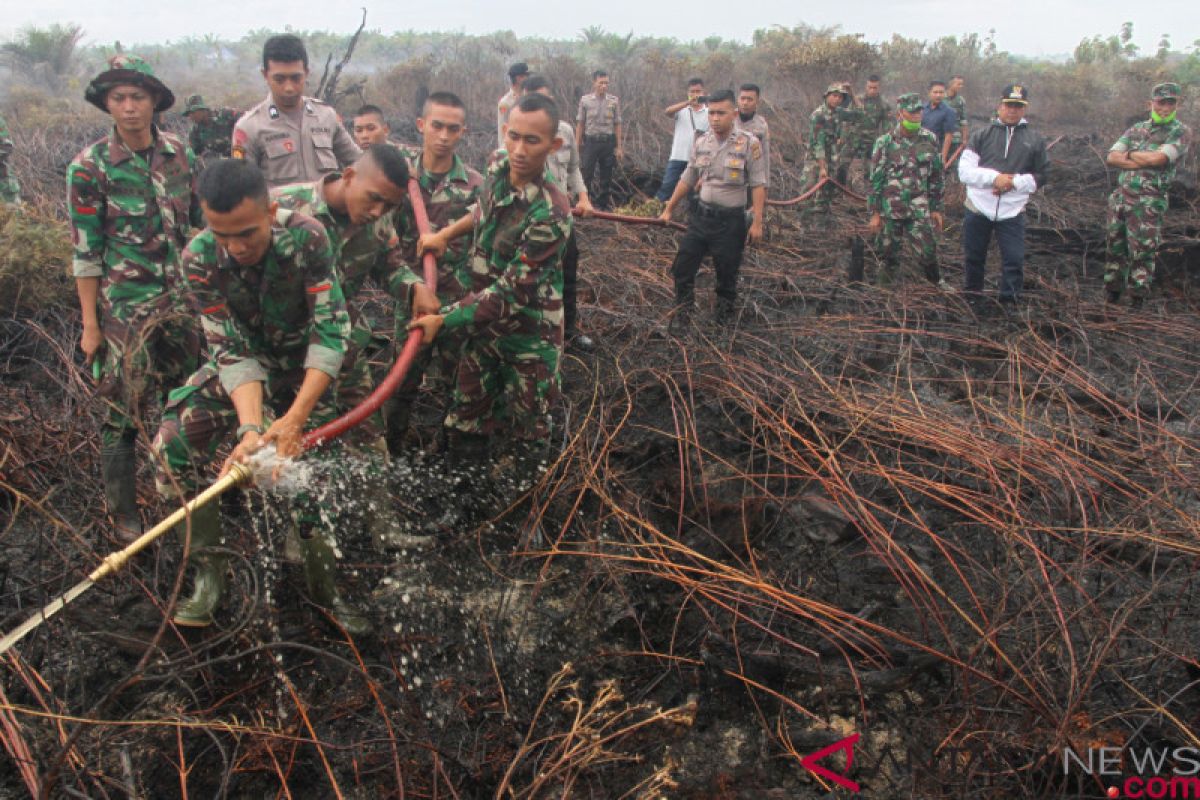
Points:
[(809, 762)]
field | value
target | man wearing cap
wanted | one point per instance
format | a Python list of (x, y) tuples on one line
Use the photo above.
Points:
[(10, 190), (292, 138), (517, 74), (726, 164), (906, 193), (824, 130), (1002, 166), (1146, 155), (132, 205), (212, 131), (598, 130)]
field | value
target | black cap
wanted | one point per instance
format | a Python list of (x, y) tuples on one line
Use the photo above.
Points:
[(1015, 93), (517, 70)]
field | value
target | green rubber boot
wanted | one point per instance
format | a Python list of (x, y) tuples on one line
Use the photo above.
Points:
[(208, 584), (118, 466), (320, 565)]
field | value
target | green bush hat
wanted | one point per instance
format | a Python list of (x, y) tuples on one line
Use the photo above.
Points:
[(1166, 91), (125, 68), (909, 102), (194, 102)]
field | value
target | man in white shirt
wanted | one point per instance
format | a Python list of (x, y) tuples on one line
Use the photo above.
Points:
[(691, 120)]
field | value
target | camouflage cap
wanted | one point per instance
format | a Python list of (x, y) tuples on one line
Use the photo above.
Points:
[(909, 102), (194, 102), (126, 68), (834, 88), (1166, 91)]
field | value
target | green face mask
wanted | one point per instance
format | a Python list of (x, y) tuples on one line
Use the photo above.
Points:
[(910, 126), (1161, 120)]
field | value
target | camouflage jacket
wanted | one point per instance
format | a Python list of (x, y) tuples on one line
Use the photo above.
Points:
[(960, 109), (906, 175), (285, 313), (516, 260), (130, 218), (1171, 138), (446, 201), (216, 135), (824, 129), (10, 190), (360, 251), (874, 120)]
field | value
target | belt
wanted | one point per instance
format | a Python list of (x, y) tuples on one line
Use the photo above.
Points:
[(599, 137), (711, 210)]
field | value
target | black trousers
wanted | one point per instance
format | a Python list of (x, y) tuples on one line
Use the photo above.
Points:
[(721, 235), (598, 156), (570, 269)]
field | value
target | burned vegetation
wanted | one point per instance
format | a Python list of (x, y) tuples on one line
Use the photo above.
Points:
[(969, 539)]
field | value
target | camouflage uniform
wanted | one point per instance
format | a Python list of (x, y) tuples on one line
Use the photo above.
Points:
[(906, 188), (1137, 206), (447, 199), (511, 318), (10, 190), (212, 139), (269, 323), (757, 125), (131, 216), (960, 109), (360, 252), (866, 123), (824, 130)]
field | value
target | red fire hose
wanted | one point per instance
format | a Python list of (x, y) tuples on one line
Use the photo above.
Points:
[(396, 374), (634, 220)]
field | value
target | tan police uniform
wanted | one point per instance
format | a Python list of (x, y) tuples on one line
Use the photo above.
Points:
[(599, 117), (267, 136), (757, 125), (725, 172), (502, 108)]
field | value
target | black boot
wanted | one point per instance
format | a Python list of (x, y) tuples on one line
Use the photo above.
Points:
[(1136, 302), (1113, 297), (118, 465)]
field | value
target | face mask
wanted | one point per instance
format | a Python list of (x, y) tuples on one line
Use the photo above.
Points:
[(910, 126), (1161, 120)]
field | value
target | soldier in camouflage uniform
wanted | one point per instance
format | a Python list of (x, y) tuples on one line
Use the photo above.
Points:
[(861, 126), (824, 130), (449, 188), (906, 193), (955, 100), (212, 131), (1147, 155), (10, 190), (264, 282), (132, 205), (511, 318), (355, 208)]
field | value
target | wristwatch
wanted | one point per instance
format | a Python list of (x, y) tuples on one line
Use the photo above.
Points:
[(257, 427)]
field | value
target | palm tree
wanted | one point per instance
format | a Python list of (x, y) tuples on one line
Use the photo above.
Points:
[(46, 54)]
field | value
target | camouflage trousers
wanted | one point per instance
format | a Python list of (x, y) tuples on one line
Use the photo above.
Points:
[(1134, 234), (200, 420), (918, 232), (823, 199), (355, 384), (856, 149), (505, 385), (153, 346), (10, 190)]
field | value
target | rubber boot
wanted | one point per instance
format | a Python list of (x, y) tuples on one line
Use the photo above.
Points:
[(208, 584), (386, 529), (1112, 297), (320, 564), (118, 465), (399, 412)]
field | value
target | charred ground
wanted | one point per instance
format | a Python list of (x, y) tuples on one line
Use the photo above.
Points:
[(970, 540)]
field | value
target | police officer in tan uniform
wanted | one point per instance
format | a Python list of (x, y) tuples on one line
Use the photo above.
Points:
[(749, 120), (598, 131), (292, 138), (563, 166), (517, 74), (725, 163)]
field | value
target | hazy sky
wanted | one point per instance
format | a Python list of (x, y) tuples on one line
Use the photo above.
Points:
[(1028, 27)]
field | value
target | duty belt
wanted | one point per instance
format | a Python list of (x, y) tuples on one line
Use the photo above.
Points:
[(710, 210)]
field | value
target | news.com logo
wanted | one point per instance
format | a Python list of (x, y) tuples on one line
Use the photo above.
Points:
[(1161, 773)]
